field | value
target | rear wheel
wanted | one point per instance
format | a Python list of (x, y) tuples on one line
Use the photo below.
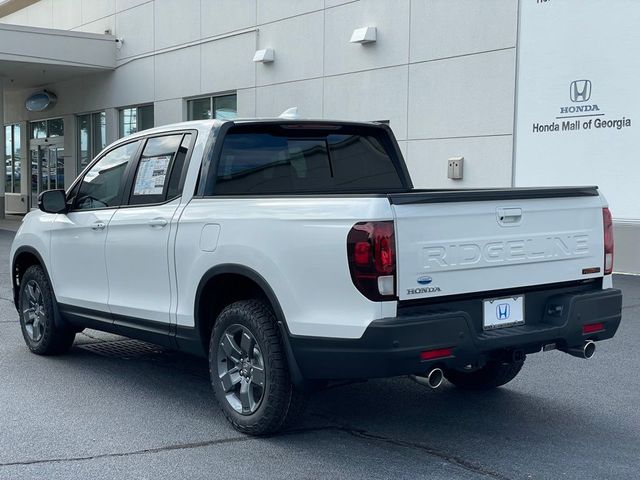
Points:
[(36, 302), (492, 375), (249, 372)]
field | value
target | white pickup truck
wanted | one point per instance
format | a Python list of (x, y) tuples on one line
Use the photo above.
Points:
[(292, 253)]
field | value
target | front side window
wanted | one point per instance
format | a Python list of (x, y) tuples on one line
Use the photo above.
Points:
[(12, 158), (223, 107), (159, 169), (101, 187), (291, 159), (135, 119)]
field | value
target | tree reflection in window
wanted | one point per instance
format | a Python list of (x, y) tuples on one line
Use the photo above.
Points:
[(102, 185)]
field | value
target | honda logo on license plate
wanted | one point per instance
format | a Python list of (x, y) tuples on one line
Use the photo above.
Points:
[(503, 311)]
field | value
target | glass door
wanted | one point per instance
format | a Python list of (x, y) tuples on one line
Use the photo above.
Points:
[(47, 167)]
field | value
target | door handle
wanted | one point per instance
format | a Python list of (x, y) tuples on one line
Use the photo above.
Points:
[(158, 222), (98, 226)]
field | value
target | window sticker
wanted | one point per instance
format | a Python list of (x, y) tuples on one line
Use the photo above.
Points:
[(151, 176)]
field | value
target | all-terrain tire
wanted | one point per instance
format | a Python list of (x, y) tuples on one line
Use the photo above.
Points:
[(36, 307), (280, 403), (492, 375)]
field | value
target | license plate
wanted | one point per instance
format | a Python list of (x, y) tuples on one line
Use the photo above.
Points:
[(503, 312)]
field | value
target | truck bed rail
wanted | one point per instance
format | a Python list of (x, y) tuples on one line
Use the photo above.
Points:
[(478, 195)]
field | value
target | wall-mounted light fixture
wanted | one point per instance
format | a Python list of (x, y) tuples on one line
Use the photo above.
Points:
[(364, 35), (40, 101), (290, 113), (266, 55)]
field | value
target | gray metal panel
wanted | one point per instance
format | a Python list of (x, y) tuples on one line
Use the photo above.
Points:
[(627, 247)]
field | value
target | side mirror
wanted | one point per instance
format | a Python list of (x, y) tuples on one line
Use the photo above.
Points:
[(53, 201)]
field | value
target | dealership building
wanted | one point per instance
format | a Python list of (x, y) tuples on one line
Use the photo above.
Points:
[(519, 93)]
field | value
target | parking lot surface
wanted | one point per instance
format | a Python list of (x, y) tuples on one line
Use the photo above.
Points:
[(117, 408)]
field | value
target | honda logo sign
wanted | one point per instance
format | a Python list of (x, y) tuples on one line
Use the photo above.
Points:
[(580, 90)]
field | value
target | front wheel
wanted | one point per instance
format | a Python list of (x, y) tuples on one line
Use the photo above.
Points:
[(36, 302), (492, 375), (249, 372)]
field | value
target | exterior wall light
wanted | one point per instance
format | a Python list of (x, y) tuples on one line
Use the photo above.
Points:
[(290, 114), (266, 55), (364, 35)]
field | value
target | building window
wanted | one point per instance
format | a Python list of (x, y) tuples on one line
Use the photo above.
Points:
[(92, 135), (135, 119), (12, 158), (224, 107), (47, 128), (55, 128)]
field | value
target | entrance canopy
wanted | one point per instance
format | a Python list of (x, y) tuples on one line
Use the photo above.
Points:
[(32, 57)]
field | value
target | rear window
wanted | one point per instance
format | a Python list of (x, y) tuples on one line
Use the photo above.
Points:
[(274, 159)]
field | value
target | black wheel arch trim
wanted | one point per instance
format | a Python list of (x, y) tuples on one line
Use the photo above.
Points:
[(18, 252), (258, 279), (59, 321)]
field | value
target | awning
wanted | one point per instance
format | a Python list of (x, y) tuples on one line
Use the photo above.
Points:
[(32, 57)]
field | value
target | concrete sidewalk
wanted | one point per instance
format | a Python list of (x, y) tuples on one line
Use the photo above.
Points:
[(11, 222)]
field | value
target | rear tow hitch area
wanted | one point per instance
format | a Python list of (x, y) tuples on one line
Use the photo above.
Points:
[(518, 356)]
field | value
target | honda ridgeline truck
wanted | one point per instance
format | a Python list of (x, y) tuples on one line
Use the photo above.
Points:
[(291, 253)]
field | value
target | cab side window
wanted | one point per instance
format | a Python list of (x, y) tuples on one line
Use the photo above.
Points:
[(159, 169), (102, 185)]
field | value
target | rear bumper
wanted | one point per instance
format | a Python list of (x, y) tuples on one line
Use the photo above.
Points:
[(392, 346)]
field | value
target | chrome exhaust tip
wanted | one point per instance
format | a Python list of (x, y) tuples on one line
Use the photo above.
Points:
[(435, 377), (587, 350)]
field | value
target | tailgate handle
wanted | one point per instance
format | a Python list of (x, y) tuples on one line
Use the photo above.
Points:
[(509, 216)]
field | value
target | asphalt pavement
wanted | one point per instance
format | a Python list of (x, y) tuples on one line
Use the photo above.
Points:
[(116, 408)]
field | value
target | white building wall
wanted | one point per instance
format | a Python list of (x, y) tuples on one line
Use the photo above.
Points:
[(442, 71), (554, 51)]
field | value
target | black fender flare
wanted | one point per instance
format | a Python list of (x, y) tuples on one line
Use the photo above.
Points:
[(57, 317), (258, 279)]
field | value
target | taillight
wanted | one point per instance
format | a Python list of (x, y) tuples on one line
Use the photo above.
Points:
[(371, 251), (608, 241)]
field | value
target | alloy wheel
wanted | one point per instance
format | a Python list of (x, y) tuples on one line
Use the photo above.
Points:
[(241, 369), (33, 311)]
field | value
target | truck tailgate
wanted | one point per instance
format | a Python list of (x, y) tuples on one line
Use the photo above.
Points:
[(451, 243)]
